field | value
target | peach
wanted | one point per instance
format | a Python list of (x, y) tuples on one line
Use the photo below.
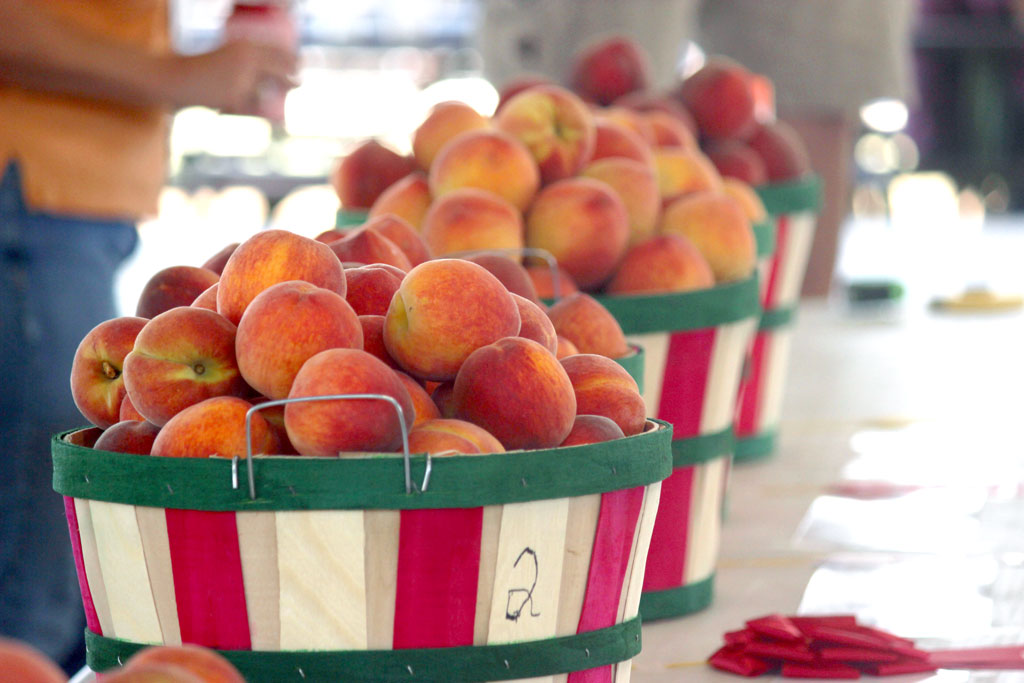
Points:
[(628, 119), (719, 228), (613, 139), (608, 68), (782, 150), (210, 666), (274, 415), (543, 279), (748, 198), (217, 261), (423, 406), (173, 286), (518, 84), (556, 126), (23, 663), (592, 429), (720, 97), (208, 298), (373, 339), (371, 287), (469, 219), (441, 395), (127, 410), (565, 348), (668, 130), (517, 391), (365, 245), (582, 319), (444, 121), (535, 324), (409, 199), (180, 358), (440, 435), (663, 102), (215, 426), (659, 264), (273, 256), (97, 382), (736, 159), (403, 234), (330, 235), (327, 428), (603, 387), (286, 324), (682, 171), (583, 223), (363, 174), (487, 160), (637, 187), (509, 272), (128, 436), (443, 311)]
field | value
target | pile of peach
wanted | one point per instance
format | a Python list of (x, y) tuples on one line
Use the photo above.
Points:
[(609, 179), (474, 359)]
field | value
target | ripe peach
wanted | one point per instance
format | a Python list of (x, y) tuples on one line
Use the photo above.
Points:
[(128, 436), (535, 324), (285, 325), (682, 171), (518, 84), (173, 286), (669, 131), (629, 119), (517, 391), (403, 234), (441, 395), (736, 159), (274, 415), (443, 311), (487, 160), (592, 429), (423, 406), (180, 358), (273, 256), (363, 174), (720, 97), (748, 198), (613, 139), (782, 150), (409, 199), (215, 426), (662, 263), (719, 228), (649, 101), (556, 126), (217, 261), (509, 272), (326, 428), (469, 219), (209, 665), (445, 121), (23, 663), (544, 281), (97, 383), (603, 387), (127, 410), (373, 339), (371, 287), (208, 298), (330, 235), (637, 186), (565, 348), (608, 68), (443, 434), (365, 245), (582, 319)]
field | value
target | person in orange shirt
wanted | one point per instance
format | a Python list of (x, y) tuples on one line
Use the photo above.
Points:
[(86, 90)]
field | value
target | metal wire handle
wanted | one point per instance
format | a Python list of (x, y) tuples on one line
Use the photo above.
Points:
[(327, 397), (536, 252)]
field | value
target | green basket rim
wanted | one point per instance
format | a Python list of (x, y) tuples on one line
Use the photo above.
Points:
[(374, 481), (633, 363), (774, 318), (347, 218), (796, 196), (764, 237), (695, 450), (677, 602), (755, 446)]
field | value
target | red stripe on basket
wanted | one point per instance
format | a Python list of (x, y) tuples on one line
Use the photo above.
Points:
[(609, 562), (91, 620), (771, 291), (687, 366), (208, 589), (749, 413), (438, 568), (666, 560)]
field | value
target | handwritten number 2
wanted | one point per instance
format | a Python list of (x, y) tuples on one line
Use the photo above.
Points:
[(519, 597)]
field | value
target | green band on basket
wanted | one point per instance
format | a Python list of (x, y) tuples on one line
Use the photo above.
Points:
[(676, 602), (792, 197), (756, 447), (348, 218), (633, 363), (698, 449), (477, 663), (776, 318), (374, 482), (764, 235), (697, 310)]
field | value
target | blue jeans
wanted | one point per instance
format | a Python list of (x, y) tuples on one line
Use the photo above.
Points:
[(56, 283)]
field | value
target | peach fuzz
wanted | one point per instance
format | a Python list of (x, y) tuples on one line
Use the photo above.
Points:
[(582, 319), (409, 199), (612, 139), (469, 219), (330, 427), (21, 662), (592, 429), (719, 228), (423, 406), (583, 223), (720, 97), (443, 311), (509, 271), (544, 281), (444, 121), (637, 187), (662, 264), (682, 171), (128, 436), (403, 234), (486, 160), (535, 324), (171, 287), (607, 68), (215, 426), (363, 174), (555, 125), (371, 287), (367, 246), (443, 434), (285, 325), (273, 256), (209, 665), (97, 382), (603, 387), (518, 391)]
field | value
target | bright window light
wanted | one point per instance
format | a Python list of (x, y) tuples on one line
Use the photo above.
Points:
[(476, 92), (885, 115)]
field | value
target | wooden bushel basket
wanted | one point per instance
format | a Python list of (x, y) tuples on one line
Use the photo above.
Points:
[(694, 345), (525, 564)]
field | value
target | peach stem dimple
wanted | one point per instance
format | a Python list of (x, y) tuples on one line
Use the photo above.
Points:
[(109, 371), (199, 368)]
